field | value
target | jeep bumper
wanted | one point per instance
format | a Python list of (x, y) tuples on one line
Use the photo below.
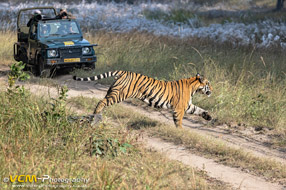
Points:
[(70, 62)]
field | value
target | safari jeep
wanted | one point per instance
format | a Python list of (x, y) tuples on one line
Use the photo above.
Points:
[(46, 43)]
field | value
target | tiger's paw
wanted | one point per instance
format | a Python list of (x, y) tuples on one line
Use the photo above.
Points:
[(96, 119), (206, 116)]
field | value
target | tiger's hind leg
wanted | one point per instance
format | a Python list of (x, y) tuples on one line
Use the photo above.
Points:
[(178, 115), (109, 100), (99, 107), (113, 96), (97, 117)]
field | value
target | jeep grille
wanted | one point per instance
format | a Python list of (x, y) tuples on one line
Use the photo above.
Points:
[(71, 52)]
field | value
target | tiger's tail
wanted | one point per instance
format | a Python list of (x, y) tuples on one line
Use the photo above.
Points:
[(98, 77)]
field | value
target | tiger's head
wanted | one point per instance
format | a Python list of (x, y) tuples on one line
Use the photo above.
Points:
[(204, 85)]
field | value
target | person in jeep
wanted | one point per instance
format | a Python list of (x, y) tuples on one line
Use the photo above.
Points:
[(45, 30), (68, 28), (64, 15), (36, 16)]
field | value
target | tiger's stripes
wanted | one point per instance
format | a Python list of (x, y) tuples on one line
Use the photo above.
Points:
[(176, 95)]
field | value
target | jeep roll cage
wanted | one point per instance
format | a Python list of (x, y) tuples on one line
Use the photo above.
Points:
[(34, 8)]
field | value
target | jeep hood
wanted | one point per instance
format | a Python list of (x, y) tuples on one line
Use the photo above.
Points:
[(58, 43)]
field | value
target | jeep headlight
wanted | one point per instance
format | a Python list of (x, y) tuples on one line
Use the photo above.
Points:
[(86, 50), (52, 53)]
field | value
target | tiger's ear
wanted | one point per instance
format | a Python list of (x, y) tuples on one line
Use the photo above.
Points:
[(198, 76)]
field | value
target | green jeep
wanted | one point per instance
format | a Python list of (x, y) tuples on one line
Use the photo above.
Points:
[(46, 43)]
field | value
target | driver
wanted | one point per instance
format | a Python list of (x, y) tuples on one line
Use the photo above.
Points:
[(63, 29), (45, 30), (70, 29), (66, 28)]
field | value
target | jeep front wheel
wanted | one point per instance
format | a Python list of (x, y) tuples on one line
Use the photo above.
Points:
[(42, 71), (89, 66)]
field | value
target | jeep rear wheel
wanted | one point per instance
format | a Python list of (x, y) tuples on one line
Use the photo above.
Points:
[(22, 57)]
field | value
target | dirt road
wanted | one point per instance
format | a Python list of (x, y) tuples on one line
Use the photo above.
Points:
[(233, 176)]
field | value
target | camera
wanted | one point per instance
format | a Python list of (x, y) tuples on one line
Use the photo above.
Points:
[(37, 17), (64, 14)]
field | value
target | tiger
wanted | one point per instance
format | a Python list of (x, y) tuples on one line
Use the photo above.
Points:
[(175, 95)]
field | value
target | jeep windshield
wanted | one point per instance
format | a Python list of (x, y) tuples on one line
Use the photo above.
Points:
[(58, 29)]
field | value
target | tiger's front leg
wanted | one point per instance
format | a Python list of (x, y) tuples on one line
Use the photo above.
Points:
[(192, 109)]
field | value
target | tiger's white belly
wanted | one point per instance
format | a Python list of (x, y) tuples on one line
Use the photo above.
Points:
[(161, 103)]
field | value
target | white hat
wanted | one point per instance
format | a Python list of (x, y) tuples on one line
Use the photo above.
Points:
[(37, 12)]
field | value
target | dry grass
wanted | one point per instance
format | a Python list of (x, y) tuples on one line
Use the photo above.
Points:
[(7, 39)]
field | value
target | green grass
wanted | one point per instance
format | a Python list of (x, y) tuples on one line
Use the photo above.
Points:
[(206, 146), (37, 138)]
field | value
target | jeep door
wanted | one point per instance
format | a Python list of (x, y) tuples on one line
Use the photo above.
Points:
[(32, 43)]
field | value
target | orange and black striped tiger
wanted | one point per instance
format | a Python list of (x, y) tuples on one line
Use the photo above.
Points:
[(176, 95)]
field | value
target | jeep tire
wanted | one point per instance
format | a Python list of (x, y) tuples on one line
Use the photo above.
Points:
[(90, 66), (42, 71), (22, 57)]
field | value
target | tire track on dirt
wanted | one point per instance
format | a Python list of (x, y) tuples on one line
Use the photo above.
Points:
[(233, 176)]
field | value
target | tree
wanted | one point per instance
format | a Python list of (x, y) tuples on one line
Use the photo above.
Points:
[(279, 5)]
